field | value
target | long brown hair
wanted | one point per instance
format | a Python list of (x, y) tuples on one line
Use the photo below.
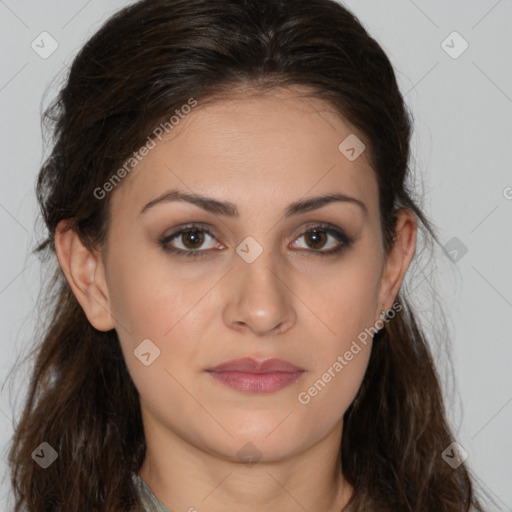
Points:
[(144, 63)]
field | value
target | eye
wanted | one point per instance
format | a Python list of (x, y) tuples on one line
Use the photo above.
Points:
[(317, 238), (191, 238)]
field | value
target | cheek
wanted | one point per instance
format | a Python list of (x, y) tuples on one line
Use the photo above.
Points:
[(152, 302), (346, 304), (337, 375), (146, 296), (346, 300), (333, 386)]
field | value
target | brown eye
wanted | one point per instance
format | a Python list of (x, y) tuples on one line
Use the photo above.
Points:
[(315, 238), (324, 240), (192, 239), (189, 241)]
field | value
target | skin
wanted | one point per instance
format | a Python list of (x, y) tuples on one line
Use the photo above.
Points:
[(260, 153)]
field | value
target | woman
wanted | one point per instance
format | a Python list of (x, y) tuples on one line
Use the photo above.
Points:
[(227, 201)]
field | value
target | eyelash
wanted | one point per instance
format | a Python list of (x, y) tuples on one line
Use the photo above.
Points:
[(340, 235)]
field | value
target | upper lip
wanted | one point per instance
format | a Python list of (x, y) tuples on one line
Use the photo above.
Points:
[(251, 365)]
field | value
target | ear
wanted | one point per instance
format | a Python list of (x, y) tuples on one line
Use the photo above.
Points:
[(398, 260), (85, 274)]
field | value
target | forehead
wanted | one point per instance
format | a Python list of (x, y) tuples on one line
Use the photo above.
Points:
[(281, 145)]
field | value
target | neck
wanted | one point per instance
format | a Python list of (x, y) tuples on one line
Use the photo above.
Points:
[(186, 477)]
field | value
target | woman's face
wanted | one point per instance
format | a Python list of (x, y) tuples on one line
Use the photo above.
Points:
[(253, 282)]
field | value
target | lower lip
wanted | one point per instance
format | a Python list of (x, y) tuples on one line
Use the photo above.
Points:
[(257, 382)]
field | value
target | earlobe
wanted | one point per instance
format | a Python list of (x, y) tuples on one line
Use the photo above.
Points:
[(85, 274), (399, 258)]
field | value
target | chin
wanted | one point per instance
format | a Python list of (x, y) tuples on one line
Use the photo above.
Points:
[(262, 443)]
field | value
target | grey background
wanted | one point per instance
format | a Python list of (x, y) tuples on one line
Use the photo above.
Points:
[(462, 111)]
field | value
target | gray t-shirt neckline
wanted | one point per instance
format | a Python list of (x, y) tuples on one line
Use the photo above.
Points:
[(150, 502)]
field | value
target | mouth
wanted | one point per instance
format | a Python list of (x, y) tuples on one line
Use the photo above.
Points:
[(251, 376)]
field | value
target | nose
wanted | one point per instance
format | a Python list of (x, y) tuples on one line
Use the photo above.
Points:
[(259, 299)]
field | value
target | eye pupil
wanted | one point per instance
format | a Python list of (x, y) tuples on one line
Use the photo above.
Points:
[(319, 236), (195, 236)]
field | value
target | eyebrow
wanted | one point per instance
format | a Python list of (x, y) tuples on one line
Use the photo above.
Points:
[(229, 209)]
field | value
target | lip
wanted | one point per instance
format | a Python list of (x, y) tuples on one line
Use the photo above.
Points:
[(252, 376), (251, 365)]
